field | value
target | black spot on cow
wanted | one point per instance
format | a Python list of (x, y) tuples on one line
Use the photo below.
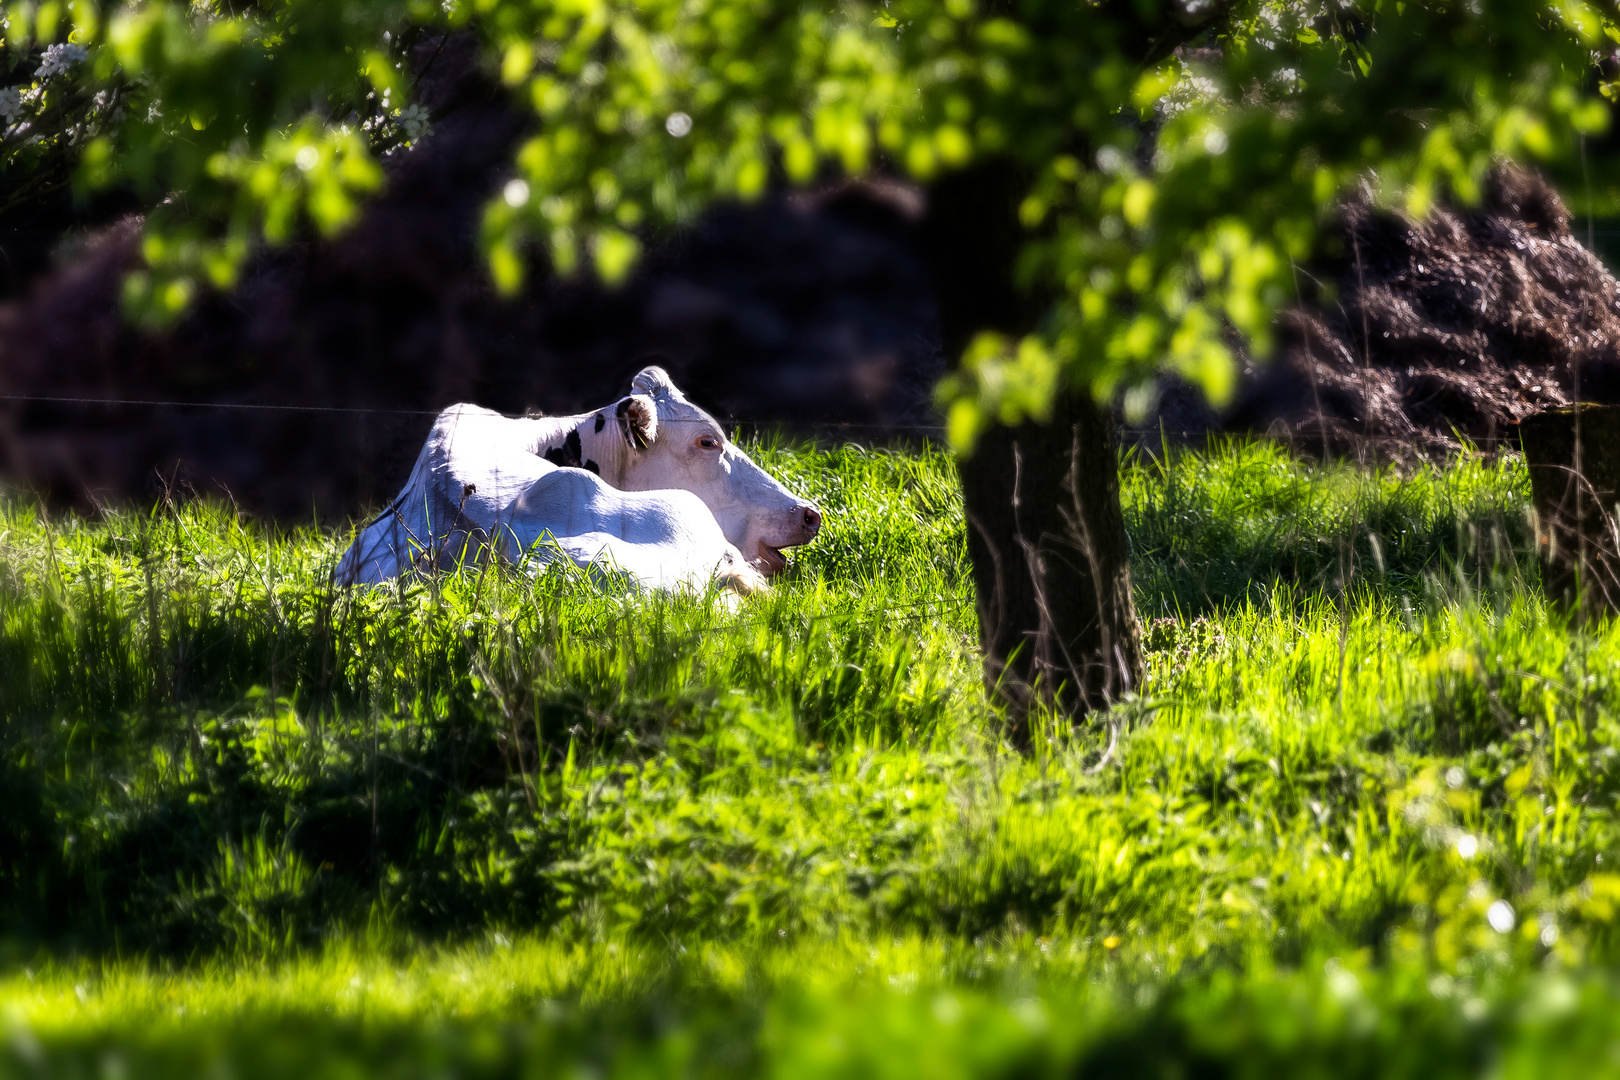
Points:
[(591, 465), (567, 455), (601, 422)]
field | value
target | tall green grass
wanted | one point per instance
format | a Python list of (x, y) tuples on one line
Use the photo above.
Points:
[(1363, 736)]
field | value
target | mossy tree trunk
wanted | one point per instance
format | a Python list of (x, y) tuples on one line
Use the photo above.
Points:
[(1046, 533)]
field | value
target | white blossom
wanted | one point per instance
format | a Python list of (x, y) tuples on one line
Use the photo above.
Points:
[(1190, 90), (1273, 20), (11, 105), (108, 105), (414, 121), (679, 125), (59, 58), (1110, 160)]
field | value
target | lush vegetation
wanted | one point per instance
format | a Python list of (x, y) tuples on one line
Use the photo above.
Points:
[(1361, 814)]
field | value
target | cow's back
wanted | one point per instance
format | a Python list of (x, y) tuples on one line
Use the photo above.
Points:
[(473, 463), (663, 539)]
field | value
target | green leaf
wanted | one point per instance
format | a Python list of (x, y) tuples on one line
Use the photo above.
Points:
[(616, 254)]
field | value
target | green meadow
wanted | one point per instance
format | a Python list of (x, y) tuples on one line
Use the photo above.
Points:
[(1359, 820)]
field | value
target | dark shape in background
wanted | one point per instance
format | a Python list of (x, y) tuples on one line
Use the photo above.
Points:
[(1462, 324)]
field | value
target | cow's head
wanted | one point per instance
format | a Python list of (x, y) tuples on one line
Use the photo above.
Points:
[(686, 449)]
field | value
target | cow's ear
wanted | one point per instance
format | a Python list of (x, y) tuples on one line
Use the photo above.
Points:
[(652, 381), (638, 421)]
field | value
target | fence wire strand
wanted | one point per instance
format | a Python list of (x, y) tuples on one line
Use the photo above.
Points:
[(1134, 433)]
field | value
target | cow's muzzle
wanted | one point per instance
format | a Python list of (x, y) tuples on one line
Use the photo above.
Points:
[(806, 523)]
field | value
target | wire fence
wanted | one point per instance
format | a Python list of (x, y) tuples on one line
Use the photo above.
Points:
[(933, 429), (1299, 433), (220, 406)]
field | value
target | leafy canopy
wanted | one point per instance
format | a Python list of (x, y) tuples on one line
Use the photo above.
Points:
[(1180, 155)]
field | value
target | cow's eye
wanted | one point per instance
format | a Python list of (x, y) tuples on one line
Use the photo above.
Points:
[(708, 442)]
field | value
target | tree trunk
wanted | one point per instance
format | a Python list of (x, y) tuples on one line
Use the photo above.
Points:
[(1574, 460), (1046, 534)]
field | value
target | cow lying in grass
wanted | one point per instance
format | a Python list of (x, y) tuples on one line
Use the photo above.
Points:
[(649, 485)]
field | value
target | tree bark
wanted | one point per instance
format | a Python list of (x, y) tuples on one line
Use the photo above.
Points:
[(1574, 459), (1046, 534)]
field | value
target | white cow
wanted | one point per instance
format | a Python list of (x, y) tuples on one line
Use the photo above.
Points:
[(649, 485)]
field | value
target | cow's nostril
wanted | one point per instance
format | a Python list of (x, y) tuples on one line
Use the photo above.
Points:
[(812, 520)]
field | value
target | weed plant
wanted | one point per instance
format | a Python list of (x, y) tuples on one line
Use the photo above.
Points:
[(1360, 819)]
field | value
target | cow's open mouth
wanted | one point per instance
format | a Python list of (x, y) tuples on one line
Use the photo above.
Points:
[(770, 559)]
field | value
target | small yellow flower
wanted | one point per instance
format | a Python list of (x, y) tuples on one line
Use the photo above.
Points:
[(1111, 941)]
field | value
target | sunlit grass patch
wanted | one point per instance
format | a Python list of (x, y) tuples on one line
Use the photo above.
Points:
[(1215, 527)]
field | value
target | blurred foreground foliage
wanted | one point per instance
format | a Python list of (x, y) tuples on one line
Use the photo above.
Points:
[(890, 1008), (1168, 193)]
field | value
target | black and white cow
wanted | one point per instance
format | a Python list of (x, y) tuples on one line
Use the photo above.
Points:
[(649, 485)]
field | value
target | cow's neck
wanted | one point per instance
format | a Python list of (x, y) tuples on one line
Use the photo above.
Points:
[(590, 441)]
